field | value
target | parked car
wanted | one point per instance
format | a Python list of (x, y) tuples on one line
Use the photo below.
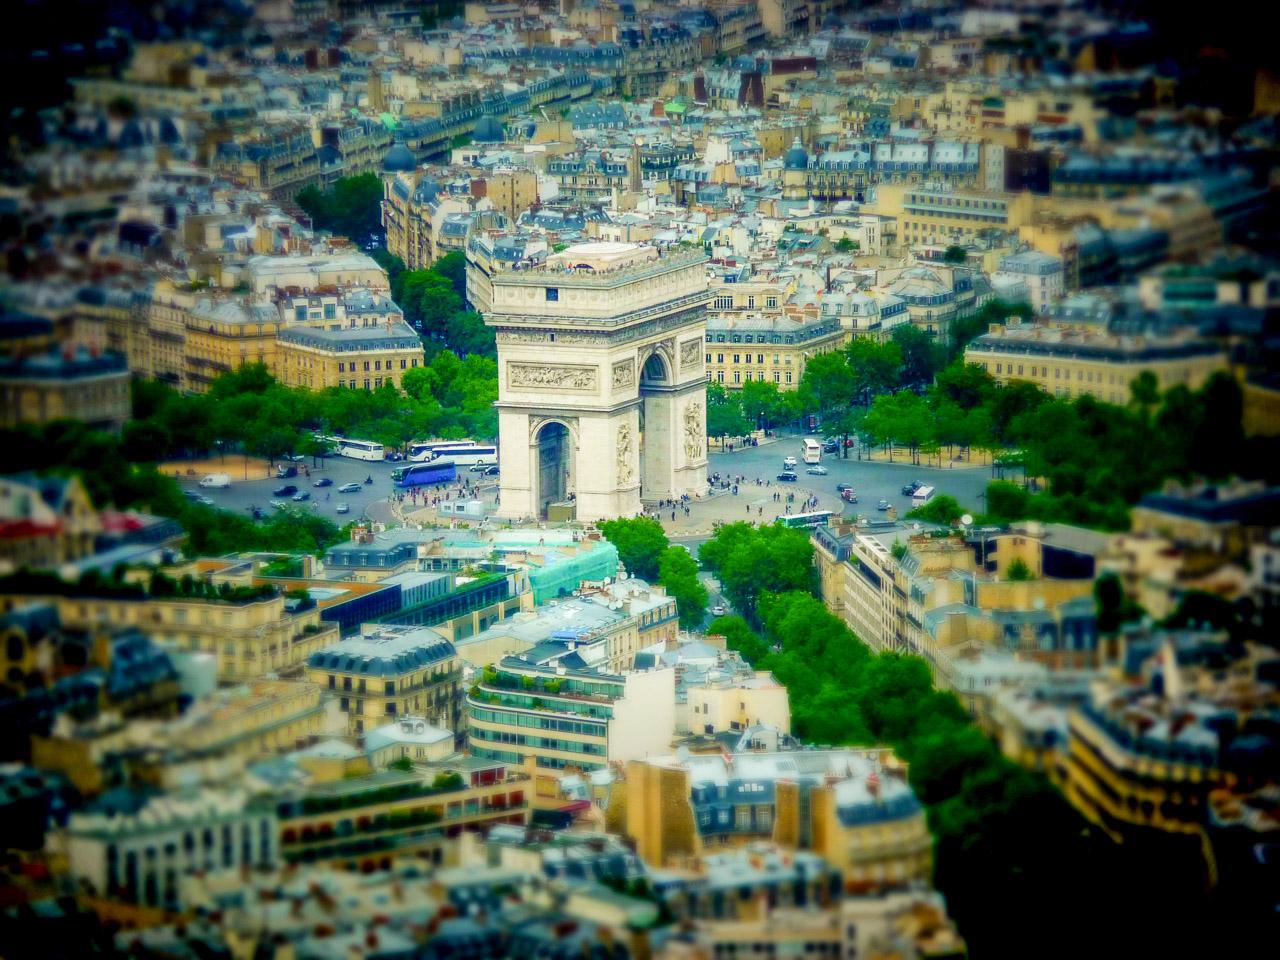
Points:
[(192, 495), (480, 467), (285, 490), (831, 446), (817, 470), (718, 610), (842, 487), (909, 488), (284, 473), (787, 476), (882, 505), (323, 482), (344, 508), (848, 496), (349, 488), (394, 455), (301, 495)]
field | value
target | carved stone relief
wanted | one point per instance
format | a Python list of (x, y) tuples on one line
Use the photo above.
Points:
[(695, 430), (624, 374), (625, 470), (553, 377), (690, 350)]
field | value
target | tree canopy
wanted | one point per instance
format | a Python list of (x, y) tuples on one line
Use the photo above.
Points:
[(641, 543), (353, 208)]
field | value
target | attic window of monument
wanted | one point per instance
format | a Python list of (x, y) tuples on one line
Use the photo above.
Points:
[(553, 294)]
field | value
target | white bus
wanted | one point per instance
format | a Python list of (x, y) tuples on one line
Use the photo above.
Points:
[(812, 450), (420, 450), (464, 453), (357, 449), (921, 496)]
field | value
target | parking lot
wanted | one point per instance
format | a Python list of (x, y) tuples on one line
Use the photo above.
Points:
[(370, 501)]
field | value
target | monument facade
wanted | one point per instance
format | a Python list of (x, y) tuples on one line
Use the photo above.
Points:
[(602, 384)]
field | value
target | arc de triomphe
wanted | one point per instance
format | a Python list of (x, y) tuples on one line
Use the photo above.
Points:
[(602, 393)]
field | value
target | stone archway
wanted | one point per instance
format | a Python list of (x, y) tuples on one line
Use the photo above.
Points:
[(553, 466), (656, 425)]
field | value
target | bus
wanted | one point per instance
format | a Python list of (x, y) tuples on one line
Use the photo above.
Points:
[(357, 449), (815, 519), (424, 474), (921, 496), (464, 453), (420, 450), (812, 450)]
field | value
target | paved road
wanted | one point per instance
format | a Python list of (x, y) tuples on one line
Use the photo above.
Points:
[(370, 501), (871, 481)]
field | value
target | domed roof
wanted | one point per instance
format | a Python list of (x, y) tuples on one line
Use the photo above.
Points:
[(488, 130), (399, 159), (796, 158)]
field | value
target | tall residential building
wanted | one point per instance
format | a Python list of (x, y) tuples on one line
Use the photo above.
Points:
[(134, 845), (1071, 363), (358, 358), (553, 718), (853, 808), (770, 349), (392, 671), (70, 383)]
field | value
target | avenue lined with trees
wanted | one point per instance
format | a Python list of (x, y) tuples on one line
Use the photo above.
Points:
[(1012, 856)]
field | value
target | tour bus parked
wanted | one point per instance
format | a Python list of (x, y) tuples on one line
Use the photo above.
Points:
[(812, 450), (357, 449), (423, 474), (921, 496)]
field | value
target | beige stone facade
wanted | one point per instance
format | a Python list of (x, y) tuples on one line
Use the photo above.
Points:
[(602, 391)]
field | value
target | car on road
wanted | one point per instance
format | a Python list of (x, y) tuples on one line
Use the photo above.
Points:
[(285, 490), (295, 457), (192, 495), (323, 482), (718, 610), (848, 496), (817, 470), (882, 505), (787, 476), (394, 455), (788, 461), (349, 488), (490, 471), (831, 446), (207, 501), (344, 508), (842, 487), (301, 495), (480, 467), (909, 488), (279, 504)]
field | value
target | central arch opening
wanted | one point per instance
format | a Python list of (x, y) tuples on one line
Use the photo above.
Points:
[(655, 376), (554, 459)]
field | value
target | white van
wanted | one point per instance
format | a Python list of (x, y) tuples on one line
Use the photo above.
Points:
[(216, 480)]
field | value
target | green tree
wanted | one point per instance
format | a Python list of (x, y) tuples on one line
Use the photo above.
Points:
[(955, 255), (678, 574), (943, 509), (352, 208), (874, 367), (739, 636), (921, 357), (827, 385), (724, 414), (1006, 501), (640, 542), (1018, 571), (846, 245)]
